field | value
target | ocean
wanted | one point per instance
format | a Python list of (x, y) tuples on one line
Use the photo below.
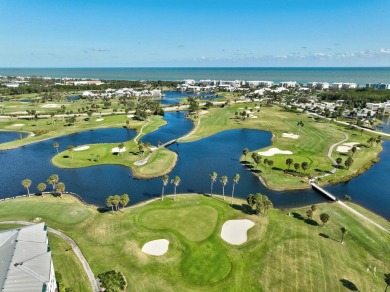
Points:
[(359, 75)]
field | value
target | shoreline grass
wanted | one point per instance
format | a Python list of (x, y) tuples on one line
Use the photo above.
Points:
[(282, 253)]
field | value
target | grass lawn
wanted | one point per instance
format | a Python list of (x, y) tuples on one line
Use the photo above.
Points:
[(315, 139), (283, 253)]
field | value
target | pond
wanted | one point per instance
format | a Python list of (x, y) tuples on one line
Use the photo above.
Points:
[(197, 160), (6, 136), (173, 97)]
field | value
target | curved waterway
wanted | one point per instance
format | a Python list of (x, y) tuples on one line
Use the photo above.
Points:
[(6, 136), (197, 160)]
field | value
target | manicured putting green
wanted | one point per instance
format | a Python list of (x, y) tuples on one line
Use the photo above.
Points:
[(185, 221)]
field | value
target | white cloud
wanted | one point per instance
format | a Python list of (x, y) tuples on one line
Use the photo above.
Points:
[(384, 51)]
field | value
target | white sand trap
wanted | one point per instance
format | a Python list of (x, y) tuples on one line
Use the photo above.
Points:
[(81, 148), (253, 117), (346, 147), (117, 150), (290, 135), (235, 231), (152, 148), (130, 116), (273, 151), (17, 125), (99, 119), (50, 105), (156, 247), (351, 144)]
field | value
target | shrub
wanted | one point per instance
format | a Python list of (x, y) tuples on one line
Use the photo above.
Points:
[(112, 281)]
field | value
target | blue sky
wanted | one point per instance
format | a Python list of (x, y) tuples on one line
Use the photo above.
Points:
[(145, 33)]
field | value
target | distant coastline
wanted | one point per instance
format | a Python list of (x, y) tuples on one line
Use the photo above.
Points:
[(359, 75)]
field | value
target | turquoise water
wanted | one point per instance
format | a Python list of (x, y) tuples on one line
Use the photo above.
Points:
[(302, 75)]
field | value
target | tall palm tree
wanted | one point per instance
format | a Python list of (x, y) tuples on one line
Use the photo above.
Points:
[(109, 202), (116, 201), (70, 149), (245, 152), (60, 187), (236, 178), (41, 187), (27, 183), (56, 145), (224, 180), (176, 183), (53, 180), (343, 232), (165, 180), (124, 200), (213, 177)]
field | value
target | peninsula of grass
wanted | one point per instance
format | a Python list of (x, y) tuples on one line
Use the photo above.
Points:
[(283, 253), (312, 146)]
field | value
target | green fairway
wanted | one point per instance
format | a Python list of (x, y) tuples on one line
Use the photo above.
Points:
[(312, 146), (283, 253)]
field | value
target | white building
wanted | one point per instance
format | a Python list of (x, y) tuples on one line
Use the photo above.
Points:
[(234, 83), (349, 85), (188, 82), (378, 85), (288, 84), (25, 260), (253, 84), (373, 106), (318, 85), (208, 82), (12, 84)]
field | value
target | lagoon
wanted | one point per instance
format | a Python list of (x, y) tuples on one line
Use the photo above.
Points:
[(220, 153)]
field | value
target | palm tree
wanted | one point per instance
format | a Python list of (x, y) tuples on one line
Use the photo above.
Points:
[(339, 160), (124, 200), (353, 149), (109, 202), (60, 187), (53, 180), (387, 280), (236, 178), (116, 201), (41, 187), (27, 183), (265, 162), (305, 165), (245, 152), (120, 147), (324, 218), (348, 162), (289, 161), (224, 180), (270, 163), (176, 183), (165, 180), (70, 149), (313, 207), (296, 166), (213, 177), (56, 145), (343, 232), (309, 214), (141, 147)]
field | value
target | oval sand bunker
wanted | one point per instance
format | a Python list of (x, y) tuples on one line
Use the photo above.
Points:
[(156, 247), (235, 231)]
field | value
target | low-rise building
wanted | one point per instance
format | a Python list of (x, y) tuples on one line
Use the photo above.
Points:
[(288, 84), (25, 260)]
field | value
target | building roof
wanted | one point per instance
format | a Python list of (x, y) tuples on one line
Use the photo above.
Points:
[(25, 259)]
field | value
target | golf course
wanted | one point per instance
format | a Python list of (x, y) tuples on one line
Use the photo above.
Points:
[(285, 251)]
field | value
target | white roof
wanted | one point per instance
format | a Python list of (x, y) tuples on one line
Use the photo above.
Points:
[(25, 259)]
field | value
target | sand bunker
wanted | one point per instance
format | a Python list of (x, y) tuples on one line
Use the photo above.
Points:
[(346, 147), (117, 150), (130, 116), (273, 151), (156, 247), (253, 117), (290, 135), (99, 119), (81, 148), (235, 231), (17, 125), (50, 105)]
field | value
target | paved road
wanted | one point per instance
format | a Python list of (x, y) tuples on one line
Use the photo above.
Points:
[(76, 249)]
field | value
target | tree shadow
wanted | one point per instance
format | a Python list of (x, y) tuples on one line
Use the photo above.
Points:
[(65, 156), (246, 209), (327, 237), (297, 216), (311, 222), (103, 210), (349, 285)]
